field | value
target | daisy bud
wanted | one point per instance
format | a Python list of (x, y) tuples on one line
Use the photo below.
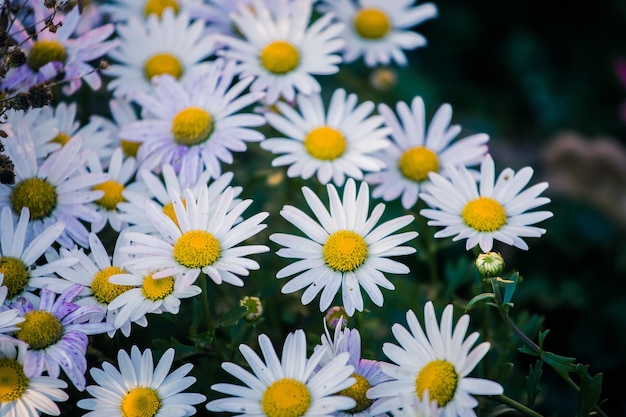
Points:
[(254, 306), (490, 264), (383, 79), (333, 315)]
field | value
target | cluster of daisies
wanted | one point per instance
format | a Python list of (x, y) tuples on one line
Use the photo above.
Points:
[(124, 215)]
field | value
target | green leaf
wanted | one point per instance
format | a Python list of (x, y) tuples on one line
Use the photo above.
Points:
[(181, 351), (533, 381), (561, 364), (231, 317), (500, 410), (480, 297), (590, 390), (510, 287), (202, 340)]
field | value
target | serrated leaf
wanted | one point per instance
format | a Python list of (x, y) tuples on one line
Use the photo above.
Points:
[(561, 364), (590, 390), (480, 297), (533, 382), (231, 317)]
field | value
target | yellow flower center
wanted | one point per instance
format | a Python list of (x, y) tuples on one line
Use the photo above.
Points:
[(130, 148), (484, 214), (163, 63), (157, 289), (286, 398), (325, 143), (61, 138), (415, 163), (140, 402), (357, 391), (191, 126), (345, 251), (15, 275), (372, 23), (39, 329), (13, 381), (37, 194), (197, 249), (112, 194), (168, 210), (158, 7), (440, 379), (45, 51), (280, 57), (105, 291)]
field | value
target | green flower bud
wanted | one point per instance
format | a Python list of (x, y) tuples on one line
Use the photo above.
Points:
[(333, 315), (490, 264), (254, 306)]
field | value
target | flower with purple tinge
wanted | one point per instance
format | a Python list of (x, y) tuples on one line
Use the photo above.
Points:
[(57, 189), (50, 53), (195, 124), (367, 372), (56, 334), (36, 124), (122, 10)]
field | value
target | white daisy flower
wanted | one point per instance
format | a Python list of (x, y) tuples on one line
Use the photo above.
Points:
[(167, 45), (122, 113), (121, 171), (198, 242), (19, 254), (411, 406), (287, 385), (439, 361), (342, 249), (489, 211), (9, 317), (379, 30), (416, 151), (219, 19), (93, 272), (36, 124), (49, 53), (282, 49), (139, 388), (123, 10), (333, 144), (196, 123), (27, 396), (58, 189), (133, 210)]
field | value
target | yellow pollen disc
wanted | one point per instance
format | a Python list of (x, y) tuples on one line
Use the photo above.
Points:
[(371, 23), (45, 51), (280, 57), (61, 138), (15, 275), (197, 249), (440, 379), (484, 214), (415, 163), (112, 194), (345, 251), (37, 194), (286, 398), (130, 148), (357, 391), (39, 329), (158, 7), (325, 143), (163, 63), (157, 289), (191, 126), (140, 402), (13, 382), (105, 291), (168, 210)]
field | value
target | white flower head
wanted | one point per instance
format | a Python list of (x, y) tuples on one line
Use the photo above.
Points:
[(342, 249), (488, 211), (334, 144), (123, 10)]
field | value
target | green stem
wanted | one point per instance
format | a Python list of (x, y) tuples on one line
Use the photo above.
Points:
[(517, 405), (204, 302)]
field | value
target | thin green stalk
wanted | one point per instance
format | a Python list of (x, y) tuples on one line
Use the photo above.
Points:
[(204, 302), (517, 405)]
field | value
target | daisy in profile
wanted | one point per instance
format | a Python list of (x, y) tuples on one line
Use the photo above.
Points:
[(417, 151), (139, 388), (22, 395), (438, 360), (332, 143), (282, 49), (287, 385), (50, 53), (169, 44), (379, 30), (158, 189), (19, 254), (57, 189), (195, 124), (196, 242), (342, 249), (56, 333), (488, 211), (367, 372)]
